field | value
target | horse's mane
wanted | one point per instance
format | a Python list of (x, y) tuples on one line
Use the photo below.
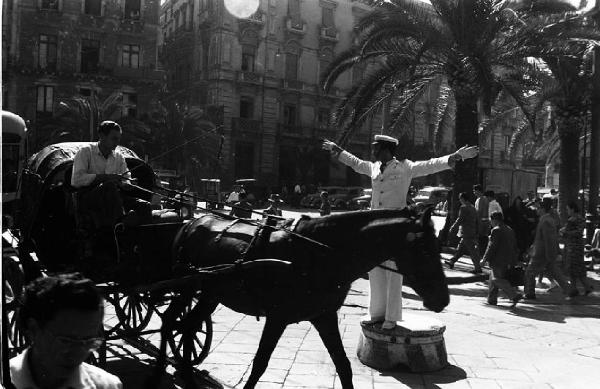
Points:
[(359, 217)]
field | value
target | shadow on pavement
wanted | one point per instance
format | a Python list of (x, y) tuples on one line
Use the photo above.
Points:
[(447, 375), (134, 373)]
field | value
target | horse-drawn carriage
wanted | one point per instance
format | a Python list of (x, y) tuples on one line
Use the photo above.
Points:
[(181, 270), (49, 236)]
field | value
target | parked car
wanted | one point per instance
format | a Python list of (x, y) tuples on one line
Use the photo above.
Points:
[(339, 200), (360, 202), (431, 195)]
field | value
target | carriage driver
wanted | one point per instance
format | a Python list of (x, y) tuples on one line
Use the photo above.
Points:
[(101, 171), (390, 179)]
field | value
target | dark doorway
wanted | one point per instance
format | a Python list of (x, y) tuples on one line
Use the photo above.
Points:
[(244, 160), (287, 164), (90, 55)]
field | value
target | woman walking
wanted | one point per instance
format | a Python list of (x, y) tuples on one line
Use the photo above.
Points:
[(574, 247)]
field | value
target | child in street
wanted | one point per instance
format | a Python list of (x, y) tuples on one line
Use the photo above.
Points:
[(325, 205)]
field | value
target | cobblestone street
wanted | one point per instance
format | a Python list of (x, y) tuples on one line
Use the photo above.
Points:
[(550, 343)]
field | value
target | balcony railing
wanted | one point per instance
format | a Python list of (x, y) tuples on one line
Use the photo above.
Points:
[(251, 77), (290, 129), (257, 18), (329, 34), (292, 84), (245, 124), (295, 26)]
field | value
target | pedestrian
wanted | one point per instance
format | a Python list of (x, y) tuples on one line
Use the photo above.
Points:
[(243, 208), (516, 218), (274, 202), (501, 254), (493, 206), (572, 232), (325, 208), (545, 252), (482, 206), (390, 179), (62, 316), (467, 225)]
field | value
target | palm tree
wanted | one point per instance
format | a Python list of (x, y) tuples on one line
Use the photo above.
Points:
[(473, 45), (564, 42), (77, 118)]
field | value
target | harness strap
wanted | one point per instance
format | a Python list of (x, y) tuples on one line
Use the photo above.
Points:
[(224, 230), (255, 238)]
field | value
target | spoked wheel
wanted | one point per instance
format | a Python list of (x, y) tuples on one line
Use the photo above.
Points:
[(134, 310), (191, 337), (16, 338)]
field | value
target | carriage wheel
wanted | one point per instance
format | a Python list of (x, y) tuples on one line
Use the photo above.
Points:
[(190, 340), (133, 310), (16, 338)]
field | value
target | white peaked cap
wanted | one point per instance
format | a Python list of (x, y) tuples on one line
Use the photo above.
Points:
[(385, 138)]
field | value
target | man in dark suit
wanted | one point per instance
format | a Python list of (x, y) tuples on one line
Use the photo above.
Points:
[(467, 226), (501, 254), (243, 208)]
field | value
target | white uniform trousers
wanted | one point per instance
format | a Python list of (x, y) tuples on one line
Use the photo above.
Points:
[(386, 293)]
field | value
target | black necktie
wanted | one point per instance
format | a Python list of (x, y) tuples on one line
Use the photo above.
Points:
[(382, 168)]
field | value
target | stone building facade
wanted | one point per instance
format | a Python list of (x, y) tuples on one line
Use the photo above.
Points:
[(57, 49), (263, 72)]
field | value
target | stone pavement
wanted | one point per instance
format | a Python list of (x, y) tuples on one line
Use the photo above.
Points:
[(550, 343)]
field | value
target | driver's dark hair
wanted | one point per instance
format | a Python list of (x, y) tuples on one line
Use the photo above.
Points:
[(44, 297), (107, 126), (477, 187)]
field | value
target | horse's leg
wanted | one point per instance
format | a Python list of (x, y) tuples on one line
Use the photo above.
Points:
[(327, 326), (272, 331), (168, 320)]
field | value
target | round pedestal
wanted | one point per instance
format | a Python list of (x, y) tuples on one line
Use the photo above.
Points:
[(417, 342)]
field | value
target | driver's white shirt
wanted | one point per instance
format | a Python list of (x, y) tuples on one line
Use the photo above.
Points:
[(86, 377), (89, 162), (391, 187)]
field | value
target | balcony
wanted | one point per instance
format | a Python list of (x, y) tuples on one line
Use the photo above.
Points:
[(292, 84), (249, 77), (330, 34), (258, 18), (290, 130), (245, 125), (295, 26)]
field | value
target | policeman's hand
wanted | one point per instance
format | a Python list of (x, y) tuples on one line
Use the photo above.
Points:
[(328, 145), (467, 152)]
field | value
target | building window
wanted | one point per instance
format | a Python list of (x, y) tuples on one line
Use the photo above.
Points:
[(45, 98), (294, 13), (358, 73), (323, 118), (506, 142), (324, 64), (129, 104), (246, 108), (50, 4), (90, 55), (93, 7), (132, 9), (47, 52), (247, 58), (291, 66), (327, 18), (131, 56), (289, 115)]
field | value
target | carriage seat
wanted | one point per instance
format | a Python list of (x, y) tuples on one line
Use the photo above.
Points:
[(165, 216)]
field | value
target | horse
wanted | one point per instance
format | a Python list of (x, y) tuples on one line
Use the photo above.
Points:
[(314, 268)]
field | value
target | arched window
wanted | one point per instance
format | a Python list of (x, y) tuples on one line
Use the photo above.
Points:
[(292, 57), (249, 42)]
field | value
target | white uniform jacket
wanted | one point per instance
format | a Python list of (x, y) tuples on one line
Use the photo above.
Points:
[(391, 187)]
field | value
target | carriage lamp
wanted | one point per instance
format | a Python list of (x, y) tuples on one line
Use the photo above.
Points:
[(242, 8)]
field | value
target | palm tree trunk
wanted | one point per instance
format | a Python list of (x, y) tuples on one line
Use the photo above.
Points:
[(568, 185), (465, 173)]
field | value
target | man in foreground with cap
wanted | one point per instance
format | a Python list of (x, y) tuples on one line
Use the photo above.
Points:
[(390, 179)]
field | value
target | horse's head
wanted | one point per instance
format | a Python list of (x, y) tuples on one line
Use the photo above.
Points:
[(413, 245)]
